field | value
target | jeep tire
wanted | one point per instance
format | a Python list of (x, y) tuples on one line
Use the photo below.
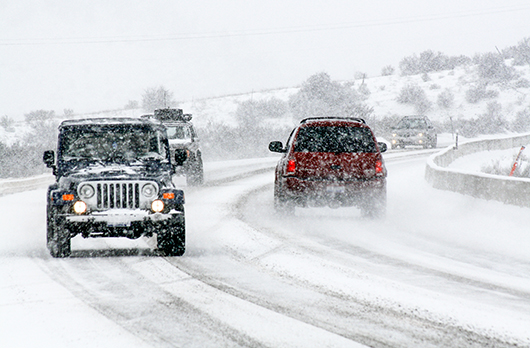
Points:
[(171, 238), (195, 172), (58, 238)]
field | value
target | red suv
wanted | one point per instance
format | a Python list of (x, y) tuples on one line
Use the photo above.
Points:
[(331, 161)]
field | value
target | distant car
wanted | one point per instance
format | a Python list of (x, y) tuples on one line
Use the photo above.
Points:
[(330, 161), (414, 130), (182, 136)]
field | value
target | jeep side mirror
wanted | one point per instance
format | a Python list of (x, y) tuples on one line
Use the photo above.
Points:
[(181, 155), (382, 146), (276, 146), (49, 158)]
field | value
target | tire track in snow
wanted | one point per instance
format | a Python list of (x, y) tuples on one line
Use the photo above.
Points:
[(454, 334)]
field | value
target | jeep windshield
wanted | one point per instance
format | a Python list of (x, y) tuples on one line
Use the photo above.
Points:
[(178, 132), (335, 139), (112, 143)]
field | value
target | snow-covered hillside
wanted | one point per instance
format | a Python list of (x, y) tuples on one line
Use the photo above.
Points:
[(382, 97), (384, 91)]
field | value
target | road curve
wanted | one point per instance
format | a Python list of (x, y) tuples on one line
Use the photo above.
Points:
[(323, 278)]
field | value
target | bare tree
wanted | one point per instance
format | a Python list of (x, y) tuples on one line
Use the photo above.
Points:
[(157, 98)]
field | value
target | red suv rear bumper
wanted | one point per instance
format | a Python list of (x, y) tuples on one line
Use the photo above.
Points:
[(328, 192)]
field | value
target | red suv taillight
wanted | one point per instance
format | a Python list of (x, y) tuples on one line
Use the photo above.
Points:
[(379, 170), (290, 168)]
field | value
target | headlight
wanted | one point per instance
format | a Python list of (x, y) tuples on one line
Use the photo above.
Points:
[(86, 191), (394, 135), (80, 207), (157, 206), (149, 190), (420, 134)]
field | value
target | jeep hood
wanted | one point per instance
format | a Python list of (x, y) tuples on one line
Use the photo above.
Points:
[(115, 171)]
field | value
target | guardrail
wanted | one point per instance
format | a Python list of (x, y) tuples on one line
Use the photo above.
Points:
[(481, 185), (8, 186)]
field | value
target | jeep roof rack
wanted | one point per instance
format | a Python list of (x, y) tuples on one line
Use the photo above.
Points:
[(171, 115), (317, 118)]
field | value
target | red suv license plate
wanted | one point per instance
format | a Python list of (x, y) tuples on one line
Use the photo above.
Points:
[(335, 189)]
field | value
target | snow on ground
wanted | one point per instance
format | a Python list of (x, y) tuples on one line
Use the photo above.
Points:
[(34, 310), (439, 257), (479, 162)]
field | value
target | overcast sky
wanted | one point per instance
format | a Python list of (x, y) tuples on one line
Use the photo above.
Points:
[(93, 55)]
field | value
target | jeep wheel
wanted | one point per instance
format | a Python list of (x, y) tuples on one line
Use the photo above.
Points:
[(58, 238), (171, 239)]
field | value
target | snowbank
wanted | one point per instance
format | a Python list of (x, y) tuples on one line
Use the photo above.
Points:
[(506, 189), (25, 184)]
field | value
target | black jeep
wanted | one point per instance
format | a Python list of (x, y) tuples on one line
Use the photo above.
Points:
[(113, 179)]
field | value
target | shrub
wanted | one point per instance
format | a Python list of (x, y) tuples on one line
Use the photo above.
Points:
[(387, 70), (21, 160), (521, 123), (319, 95), (492, 122), (522, 83), (131, 104), (39, 115), (251, 113), (7, 123), (521, 53), (478, 93), (413, 94), (68, 113), (445, 99), (364, 91), (429, 61), (220, 141), (491, 67)]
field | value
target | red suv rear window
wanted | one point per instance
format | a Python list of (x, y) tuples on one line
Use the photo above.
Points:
[(336, 139)]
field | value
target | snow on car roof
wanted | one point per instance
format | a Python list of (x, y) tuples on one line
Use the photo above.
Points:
[(109, 120), (332, 118)]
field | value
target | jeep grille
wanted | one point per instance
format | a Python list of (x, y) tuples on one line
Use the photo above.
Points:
[(118, 195)]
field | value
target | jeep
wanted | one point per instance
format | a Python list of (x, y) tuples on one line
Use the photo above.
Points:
[(182, 136), (113, 179), (330, 161)]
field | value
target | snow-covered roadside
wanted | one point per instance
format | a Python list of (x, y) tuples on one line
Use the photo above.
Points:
[(478, 161), (35, 311)]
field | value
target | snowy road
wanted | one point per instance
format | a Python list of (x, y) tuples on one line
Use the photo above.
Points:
[(441, 270)]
